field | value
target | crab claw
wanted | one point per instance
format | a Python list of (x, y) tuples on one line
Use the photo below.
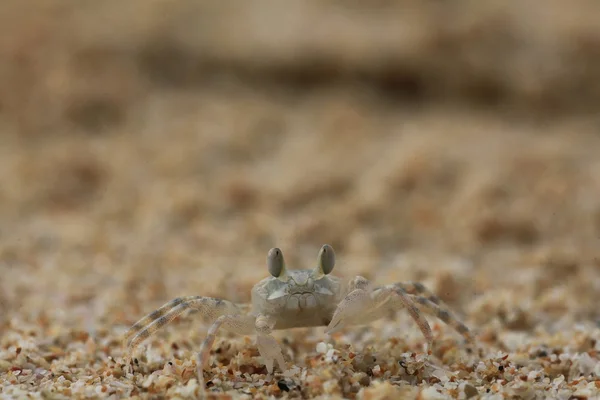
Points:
[(351, 310), (270, 351)]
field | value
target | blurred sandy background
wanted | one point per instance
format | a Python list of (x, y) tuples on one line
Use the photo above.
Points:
[(152, 149)]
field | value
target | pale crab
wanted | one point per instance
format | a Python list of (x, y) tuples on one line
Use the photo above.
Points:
[(295, 299)]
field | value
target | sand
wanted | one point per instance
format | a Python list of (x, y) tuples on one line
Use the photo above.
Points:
[(153, 149)]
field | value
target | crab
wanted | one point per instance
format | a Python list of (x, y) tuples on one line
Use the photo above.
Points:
[(295, 299)]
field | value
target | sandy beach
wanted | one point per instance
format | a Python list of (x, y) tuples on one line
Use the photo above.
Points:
[(151, 150)]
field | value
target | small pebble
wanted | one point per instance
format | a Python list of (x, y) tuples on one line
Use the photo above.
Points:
[(322, 347), (470, 391), (283, 386)]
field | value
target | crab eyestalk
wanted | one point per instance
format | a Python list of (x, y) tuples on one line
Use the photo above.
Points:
[(325, 262), (276, 264)]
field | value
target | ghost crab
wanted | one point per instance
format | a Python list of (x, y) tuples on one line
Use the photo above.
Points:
[(299, 298)]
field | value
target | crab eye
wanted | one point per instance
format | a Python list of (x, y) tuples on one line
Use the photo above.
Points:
[(326, 259), (275, 262)]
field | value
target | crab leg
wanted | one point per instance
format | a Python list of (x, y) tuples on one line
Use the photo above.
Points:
[(210, 308), (363, 305), (268, 347)]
